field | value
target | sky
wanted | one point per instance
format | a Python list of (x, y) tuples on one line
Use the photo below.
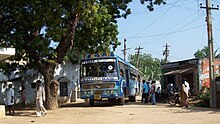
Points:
[(180, 24)]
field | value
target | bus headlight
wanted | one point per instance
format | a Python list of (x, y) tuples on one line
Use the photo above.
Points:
[(87, 93), (110, 91)]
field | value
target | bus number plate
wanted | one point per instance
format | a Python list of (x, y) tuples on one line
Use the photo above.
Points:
[(97, 96)]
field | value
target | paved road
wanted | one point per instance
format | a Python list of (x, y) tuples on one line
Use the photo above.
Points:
[(105, 113)]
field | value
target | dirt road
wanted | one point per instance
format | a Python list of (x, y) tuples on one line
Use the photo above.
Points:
[(130, 113)]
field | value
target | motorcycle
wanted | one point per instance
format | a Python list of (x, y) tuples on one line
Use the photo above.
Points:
[(173, 98)]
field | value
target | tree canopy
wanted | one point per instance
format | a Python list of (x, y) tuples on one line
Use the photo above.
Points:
[(151, 3), (203, 53), (149, 66), (43, 32)]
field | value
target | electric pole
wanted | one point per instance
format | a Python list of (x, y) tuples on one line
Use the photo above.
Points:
[(166, 53), (125, 49), (138, 52), (211, 53)]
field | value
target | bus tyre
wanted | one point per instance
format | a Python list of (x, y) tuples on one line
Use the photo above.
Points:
[(122, 100), (132, 98), (91, 102)]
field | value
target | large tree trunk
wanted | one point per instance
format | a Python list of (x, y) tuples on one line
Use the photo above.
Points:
[(51, 88)]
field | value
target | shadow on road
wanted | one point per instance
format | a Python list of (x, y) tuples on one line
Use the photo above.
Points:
[(105, 104), (24, 112)]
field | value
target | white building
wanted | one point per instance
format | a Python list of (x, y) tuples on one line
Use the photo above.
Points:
[(4, 54), (66, 74)]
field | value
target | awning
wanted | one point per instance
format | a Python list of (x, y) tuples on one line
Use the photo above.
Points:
[(6, 52), (180, 71)]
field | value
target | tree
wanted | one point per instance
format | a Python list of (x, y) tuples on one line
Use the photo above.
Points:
[(203, 53), (43, 32), (149, 66), (151, 3)]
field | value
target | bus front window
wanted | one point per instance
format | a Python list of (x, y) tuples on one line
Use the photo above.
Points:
[(99, 69)]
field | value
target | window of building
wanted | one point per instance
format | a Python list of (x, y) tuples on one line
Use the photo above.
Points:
[(63, 89), (33, 85)]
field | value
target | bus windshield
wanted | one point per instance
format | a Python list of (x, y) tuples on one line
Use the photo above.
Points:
[(99, 68)]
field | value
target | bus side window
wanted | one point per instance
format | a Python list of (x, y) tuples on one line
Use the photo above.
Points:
[(121, 73)]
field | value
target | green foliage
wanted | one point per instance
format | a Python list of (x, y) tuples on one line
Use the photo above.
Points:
[(44, 31), (149, 66), (203, 53), (205, 98), (151, 3)]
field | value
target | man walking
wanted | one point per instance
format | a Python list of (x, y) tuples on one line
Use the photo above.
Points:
[(40, 97), (10, 99)]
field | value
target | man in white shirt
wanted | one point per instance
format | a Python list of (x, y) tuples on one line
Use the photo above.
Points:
[(40, 97), (187, 87), (10, 99)]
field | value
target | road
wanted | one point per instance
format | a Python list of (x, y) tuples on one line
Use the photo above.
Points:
[(105, 113)]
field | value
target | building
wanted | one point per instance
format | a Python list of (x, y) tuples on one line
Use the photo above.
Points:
[(66, 74), (4, 54), (196, 72)]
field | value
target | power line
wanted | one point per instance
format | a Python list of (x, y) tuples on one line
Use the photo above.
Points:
[(157, 35)]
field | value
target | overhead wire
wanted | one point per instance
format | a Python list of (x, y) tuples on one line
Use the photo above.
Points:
[(175, 30), (181, 30)]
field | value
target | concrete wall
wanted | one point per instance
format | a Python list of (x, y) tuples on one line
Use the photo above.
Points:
[(2, 110), (63, 71)]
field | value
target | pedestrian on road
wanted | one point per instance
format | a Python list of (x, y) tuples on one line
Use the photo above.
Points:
[(187, 86), (152, 90), (145, 92), (158, 94), (23, 96), (40, 97), (184, 94), (10, 99)]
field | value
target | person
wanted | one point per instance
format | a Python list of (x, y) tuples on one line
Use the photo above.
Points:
[(145, 92), (170, 88), (40, 97), (184, 94), (10, 99), (23, 96), (187, 86), (152, 90), (158, 94)]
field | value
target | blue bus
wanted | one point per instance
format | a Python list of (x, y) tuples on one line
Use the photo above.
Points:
[(108, 77)]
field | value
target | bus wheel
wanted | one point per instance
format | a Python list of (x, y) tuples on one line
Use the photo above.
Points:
[(91, 102), (111, 100), (132, 98), (121, 100)]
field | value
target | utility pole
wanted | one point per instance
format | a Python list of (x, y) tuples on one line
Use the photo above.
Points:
[(138, 52), (125, 49), (211, 53), (166, 53)]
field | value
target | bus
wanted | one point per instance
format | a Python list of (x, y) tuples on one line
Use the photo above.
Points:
[(106, 76)]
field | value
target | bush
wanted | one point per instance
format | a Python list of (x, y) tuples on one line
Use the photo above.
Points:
[(205, 98)]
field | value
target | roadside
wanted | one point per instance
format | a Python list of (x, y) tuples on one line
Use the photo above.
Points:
[(81, 113)]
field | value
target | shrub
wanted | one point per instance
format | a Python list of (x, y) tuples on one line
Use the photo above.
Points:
[(205, 98)]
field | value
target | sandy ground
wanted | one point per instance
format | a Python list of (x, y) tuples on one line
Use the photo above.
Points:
[(105, 113)]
